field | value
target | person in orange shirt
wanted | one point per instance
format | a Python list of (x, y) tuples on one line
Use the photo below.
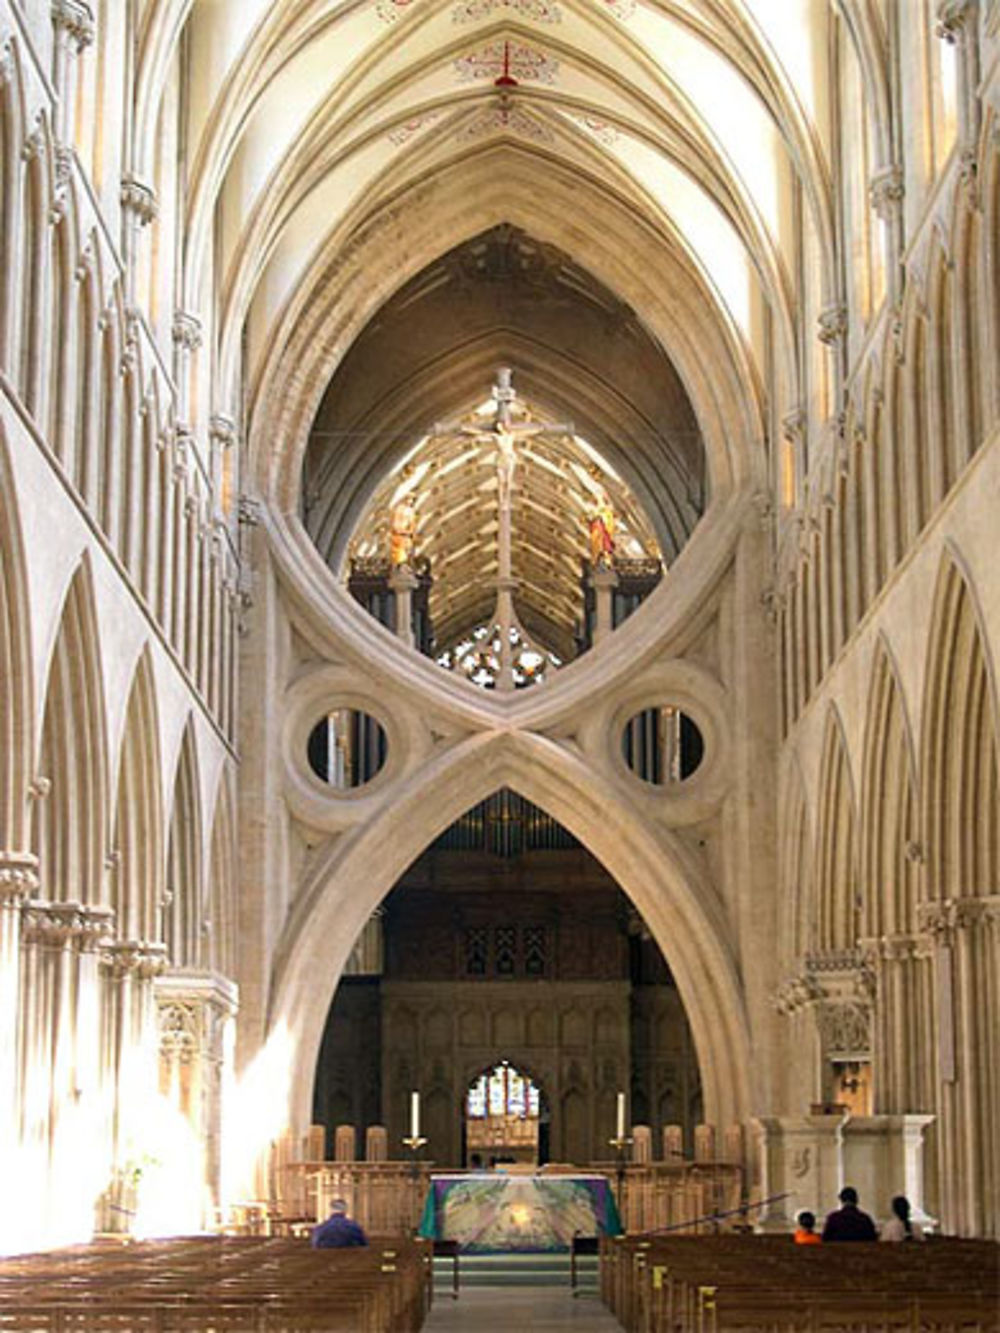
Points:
[(805, 1233)]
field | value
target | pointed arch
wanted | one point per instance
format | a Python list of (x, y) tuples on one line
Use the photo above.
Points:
[(889, 831), (182, 898), (221, 934), (138, 833), (961, 799), (836, 920), (649, 865), (69, 824), (16, 696)]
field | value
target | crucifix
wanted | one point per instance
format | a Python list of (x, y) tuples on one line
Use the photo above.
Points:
[(504, 430)]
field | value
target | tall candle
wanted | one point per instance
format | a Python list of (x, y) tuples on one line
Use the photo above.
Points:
[(620, 1131), (414, 1115)]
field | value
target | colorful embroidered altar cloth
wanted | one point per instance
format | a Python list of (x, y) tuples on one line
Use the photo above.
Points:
[(495, 1214)]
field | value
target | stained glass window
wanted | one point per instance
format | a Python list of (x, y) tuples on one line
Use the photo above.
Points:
[(503, 1092)]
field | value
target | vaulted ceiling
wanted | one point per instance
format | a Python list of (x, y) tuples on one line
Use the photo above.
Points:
[(659, 171)]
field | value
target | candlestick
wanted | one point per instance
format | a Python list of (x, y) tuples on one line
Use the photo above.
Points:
[(414, 1115), (620, 1126)]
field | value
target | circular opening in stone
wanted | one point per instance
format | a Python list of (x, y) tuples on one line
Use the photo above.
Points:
[(662, 745), (347, 748)]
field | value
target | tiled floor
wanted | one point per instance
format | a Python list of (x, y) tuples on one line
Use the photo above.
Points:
[(524, 1309)]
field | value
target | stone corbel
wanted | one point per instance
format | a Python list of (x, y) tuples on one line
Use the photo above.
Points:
[(951, 19), (186, 331), (886, 190), (75, 19), (222, 431), (833, 324), (138, 199)]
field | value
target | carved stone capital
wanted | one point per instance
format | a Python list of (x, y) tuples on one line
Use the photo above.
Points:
[(968, 178), (18, 877), (793, 425), (138, 199), (75, 20), (886, 190), (142, 958), (833, 323), (186, 331), (81, 925)]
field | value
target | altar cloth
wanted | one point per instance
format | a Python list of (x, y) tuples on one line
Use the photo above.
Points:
[(496, 1214)]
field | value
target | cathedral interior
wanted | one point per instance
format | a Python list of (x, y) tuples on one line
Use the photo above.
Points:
[(498, 596)]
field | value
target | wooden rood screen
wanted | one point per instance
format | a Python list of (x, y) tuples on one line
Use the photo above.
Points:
[(218, 1284), (725, 1284)]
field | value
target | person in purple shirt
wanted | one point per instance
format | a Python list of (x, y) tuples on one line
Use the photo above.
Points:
[(338, 1231), (848, 1222)]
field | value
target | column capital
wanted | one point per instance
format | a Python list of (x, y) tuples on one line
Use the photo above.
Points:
[(18, 876), (86, 926), (75, 19), (145, 958)]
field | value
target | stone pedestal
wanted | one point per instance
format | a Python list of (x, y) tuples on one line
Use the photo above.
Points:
[(811, 1158), (882, 1157), (802, 1159), (604, 582)]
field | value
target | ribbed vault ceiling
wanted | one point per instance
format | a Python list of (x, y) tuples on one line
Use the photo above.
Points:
[(317, 131)]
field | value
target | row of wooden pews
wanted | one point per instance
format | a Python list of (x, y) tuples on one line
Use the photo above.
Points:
[(738, 1283), (219, 1284)]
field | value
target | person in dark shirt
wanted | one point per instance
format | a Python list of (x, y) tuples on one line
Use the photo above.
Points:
[(338, 1231), (848, 1222)]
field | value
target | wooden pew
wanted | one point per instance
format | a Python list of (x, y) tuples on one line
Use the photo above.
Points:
[(251, 1284), (727, 1283)]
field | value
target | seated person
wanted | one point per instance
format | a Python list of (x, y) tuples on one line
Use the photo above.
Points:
[(899, 1226), (805, 1232), (848, 1222), (338, 1231)]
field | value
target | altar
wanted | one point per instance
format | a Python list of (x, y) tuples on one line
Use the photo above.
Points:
[(491, 1213)]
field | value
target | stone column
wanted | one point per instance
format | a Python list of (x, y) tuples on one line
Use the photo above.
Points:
[(130, 967), (403, 583), (18, 881), (193, 1011), (73, 22), (603, 582)]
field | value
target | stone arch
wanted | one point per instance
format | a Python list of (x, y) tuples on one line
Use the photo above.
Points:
[(16, 697), (961, 810), (339, 296), (70, 820), (889, 830), (835, 920), (959, 752), (138, 832), (183, 888), (648, 864)]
